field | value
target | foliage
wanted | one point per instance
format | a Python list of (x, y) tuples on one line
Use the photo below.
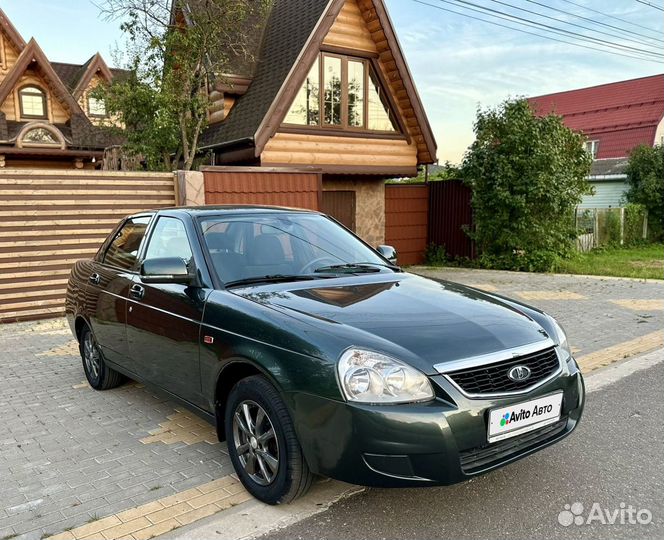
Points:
[(645, 175), (633, 227), (173, 61), (643, 261), (146, 123), (435, 255), (447, 171), (611, 227), (527, 174)]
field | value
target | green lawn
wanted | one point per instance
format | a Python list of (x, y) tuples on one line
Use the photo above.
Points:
[(638, 262)]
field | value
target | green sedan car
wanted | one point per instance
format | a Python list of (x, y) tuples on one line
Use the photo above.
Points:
[(314, 354)]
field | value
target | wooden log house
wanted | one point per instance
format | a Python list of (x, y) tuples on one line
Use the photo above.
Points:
[(48, 117), (329, 89)]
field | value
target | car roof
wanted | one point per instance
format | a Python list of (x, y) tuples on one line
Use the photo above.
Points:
[(228, 209)]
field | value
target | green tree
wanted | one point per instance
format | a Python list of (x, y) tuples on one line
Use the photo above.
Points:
[(143, 121), (645, 175), (527, 173), (175, 50)]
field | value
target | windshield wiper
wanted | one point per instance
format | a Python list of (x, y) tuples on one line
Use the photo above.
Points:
[(276, 278), (351, 268)]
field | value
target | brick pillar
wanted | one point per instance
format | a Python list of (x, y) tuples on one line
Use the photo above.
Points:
[(190, 188)]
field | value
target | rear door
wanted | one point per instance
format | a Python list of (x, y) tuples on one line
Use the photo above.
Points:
[(163, 320), (110, 278)]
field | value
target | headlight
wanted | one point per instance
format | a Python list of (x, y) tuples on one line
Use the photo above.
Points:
[(371, 377), (561, 337)]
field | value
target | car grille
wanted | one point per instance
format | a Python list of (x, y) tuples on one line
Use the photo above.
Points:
[(493, 379), (478, 459)]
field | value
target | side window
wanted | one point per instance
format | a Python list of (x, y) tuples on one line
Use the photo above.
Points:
[(123, 250), (169, 239)]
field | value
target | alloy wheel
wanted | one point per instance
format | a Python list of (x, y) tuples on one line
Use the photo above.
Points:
[(256, 442), (91, 356)]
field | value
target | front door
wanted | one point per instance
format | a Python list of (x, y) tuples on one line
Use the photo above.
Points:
[(163, 320), (108, 286), (341, 206)]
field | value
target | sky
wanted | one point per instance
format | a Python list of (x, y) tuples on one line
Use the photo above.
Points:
[(458, 64)]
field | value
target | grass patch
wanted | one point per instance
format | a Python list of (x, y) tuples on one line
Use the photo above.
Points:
[(635, 262)]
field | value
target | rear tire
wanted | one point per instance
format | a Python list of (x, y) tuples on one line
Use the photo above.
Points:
[(262, 443), (99, 375)]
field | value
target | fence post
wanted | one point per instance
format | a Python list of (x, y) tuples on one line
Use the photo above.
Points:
[(595, 228), (190, 188), (645, 224), (622, 225)]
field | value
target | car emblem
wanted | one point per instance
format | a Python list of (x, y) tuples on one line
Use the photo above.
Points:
[(519, 373)]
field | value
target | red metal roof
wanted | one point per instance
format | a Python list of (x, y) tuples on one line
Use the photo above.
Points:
[(620, 115)]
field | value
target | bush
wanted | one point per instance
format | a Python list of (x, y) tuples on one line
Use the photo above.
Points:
[(633, 228), (435, 255), (645, 174), (527, 174)]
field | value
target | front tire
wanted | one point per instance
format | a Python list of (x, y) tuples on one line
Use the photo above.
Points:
[(99, 375), (262, 443)]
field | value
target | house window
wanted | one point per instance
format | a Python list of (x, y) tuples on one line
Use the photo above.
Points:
[(96, 107), (305, 110), (342, 92), (40, 136), (32, 102), (332, 90), (592, 147)]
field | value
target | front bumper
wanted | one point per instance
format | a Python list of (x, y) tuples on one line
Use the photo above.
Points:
[(436, 443)]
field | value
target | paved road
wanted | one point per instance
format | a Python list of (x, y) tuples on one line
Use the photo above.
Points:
[(614, 457), (69, 455)]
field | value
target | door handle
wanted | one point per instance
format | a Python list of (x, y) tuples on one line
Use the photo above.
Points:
[(137, 291), (94, 279)]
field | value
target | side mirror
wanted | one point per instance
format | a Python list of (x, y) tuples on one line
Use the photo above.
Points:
[(389, 253), (166, 270)]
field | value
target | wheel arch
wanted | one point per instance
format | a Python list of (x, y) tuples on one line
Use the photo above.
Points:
[(80, 322), (231, 373)]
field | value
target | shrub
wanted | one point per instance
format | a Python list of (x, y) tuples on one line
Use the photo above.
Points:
[(527, 174), (435, 255), (645, 175)]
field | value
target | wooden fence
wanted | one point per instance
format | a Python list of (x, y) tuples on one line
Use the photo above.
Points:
[(51, 219)]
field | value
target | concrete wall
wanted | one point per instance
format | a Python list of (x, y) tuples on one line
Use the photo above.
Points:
[(369, 204)]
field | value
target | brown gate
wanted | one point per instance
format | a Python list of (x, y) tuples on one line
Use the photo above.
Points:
[(406, 221), (273, 186), (450, 214), (341, 206)]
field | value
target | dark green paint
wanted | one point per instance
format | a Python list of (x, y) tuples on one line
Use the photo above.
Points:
[(295, 332)]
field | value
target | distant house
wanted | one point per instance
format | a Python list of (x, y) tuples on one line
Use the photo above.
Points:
[(48, 118), (615, 118), (329, 90)]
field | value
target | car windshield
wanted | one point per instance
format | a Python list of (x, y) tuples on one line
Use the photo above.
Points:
[(284, 247)]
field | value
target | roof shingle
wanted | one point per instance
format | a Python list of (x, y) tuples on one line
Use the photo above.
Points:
[(287, 30)]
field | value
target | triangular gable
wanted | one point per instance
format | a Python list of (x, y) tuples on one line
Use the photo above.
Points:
[(93, 66), (32, 54), (10, 31), (392, 64)]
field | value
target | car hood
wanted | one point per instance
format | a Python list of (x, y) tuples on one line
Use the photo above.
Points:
[(419, 320)]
